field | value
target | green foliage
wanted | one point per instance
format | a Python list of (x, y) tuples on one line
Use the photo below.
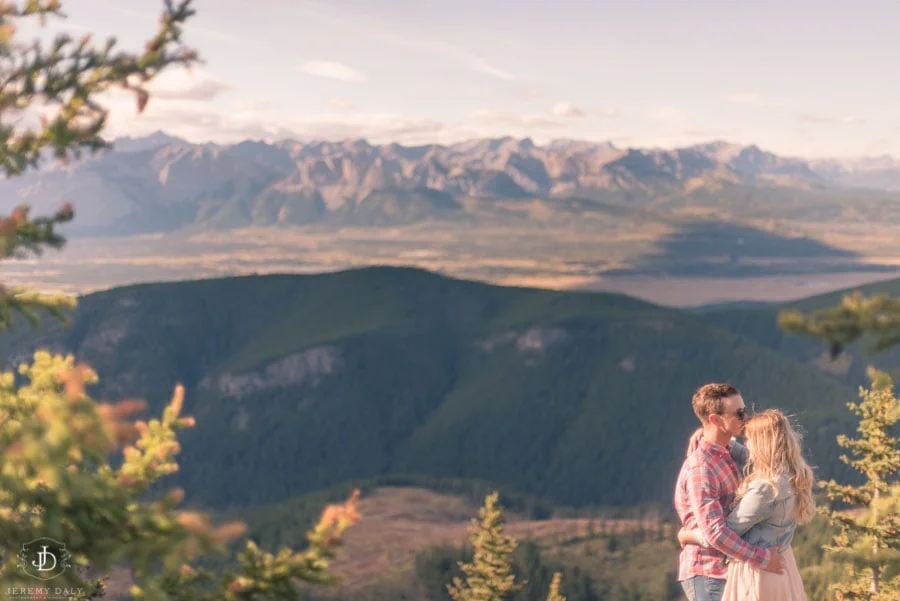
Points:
[(632, 571), (489, 576), (819, 569), (435, 566), (869, 540), (56, 480), (856, 317), (64, 78), (555, 594), (868, 537), (543, 580), (632, 574), (68, 76)]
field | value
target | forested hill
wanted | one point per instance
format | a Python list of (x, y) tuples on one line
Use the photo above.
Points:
[(760, 323), (299, 382)]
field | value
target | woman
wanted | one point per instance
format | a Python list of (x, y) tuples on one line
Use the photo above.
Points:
[(774, 498)]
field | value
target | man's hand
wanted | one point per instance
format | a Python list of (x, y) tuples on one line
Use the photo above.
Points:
[(689, 537), (776, 564), (694, 441)]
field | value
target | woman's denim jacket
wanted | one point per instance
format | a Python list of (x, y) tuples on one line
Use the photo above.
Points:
[(766, 515)]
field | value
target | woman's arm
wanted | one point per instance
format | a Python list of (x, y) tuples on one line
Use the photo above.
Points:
[(693, 441), (754, 507)]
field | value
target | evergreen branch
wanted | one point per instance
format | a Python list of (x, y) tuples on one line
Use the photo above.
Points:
[(846, 494), (54, 439), (18, 232), (857, 316), (888, 531), (68, 75), (29, 304), (859, 588), (18, 236), (51, 442), (848, 525)]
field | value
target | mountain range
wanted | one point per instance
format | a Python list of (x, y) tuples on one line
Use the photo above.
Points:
[(161, 183)]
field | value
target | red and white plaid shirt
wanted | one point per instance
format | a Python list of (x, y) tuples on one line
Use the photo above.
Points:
[(706, 486)]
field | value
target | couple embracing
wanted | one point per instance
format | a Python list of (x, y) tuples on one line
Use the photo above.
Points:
[(739, 505)]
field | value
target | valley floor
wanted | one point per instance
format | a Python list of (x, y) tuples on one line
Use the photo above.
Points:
[(695, 291), (401, 523), (564, 261)]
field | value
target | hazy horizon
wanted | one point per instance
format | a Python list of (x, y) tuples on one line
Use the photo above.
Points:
[(545, 144), (642, 73)]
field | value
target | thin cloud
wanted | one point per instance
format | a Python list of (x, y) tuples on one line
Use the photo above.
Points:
[(341, 104), (606, 112), (172, 93), (750, 99), (482, 66), (380, 30), (567, 109), (673, 126), (331, 70), (823, 120), (668, 114), (516, 121), (143, 15), (702, 134), (200, 123), (254, 106), (525, 92), (193, 121), (182, 84)]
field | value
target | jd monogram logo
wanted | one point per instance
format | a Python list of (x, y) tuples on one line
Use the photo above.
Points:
[(44, 558)]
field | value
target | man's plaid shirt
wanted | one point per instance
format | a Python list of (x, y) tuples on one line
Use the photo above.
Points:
[(706, 486)]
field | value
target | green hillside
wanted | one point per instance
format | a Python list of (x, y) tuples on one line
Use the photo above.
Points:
[(303, 382)]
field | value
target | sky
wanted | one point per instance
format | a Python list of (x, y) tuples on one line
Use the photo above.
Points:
[(796, 77)]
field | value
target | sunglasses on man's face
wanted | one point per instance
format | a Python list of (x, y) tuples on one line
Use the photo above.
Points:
[(742, 414)]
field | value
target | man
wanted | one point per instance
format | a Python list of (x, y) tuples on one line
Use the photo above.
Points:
[(705, 489)]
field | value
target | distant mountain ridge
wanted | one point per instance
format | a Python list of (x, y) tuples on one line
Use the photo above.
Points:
[(162, 183)]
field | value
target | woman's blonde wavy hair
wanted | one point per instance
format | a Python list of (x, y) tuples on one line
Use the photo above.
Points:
[(775, 451)]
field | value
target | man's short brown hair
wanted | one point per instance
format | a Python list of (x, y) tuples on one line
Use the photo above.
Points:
[(708, 399)]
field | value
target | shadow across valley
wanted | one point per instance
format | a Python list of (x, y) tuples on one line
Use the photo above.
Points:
[(722, 249)]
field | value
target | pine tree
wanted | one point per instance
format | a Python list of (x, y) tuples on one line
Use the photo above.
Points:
[(489, 576), (869, 540), (612, 542), (56, 480), (869, 534), (555, 594)]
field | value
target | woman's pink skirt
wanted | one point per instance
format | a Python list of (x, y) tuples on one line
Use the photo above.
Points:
[(747, 583)]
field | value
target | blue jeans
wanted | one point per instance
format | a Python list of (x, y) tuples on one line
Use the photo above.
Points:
[(703, 588)]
